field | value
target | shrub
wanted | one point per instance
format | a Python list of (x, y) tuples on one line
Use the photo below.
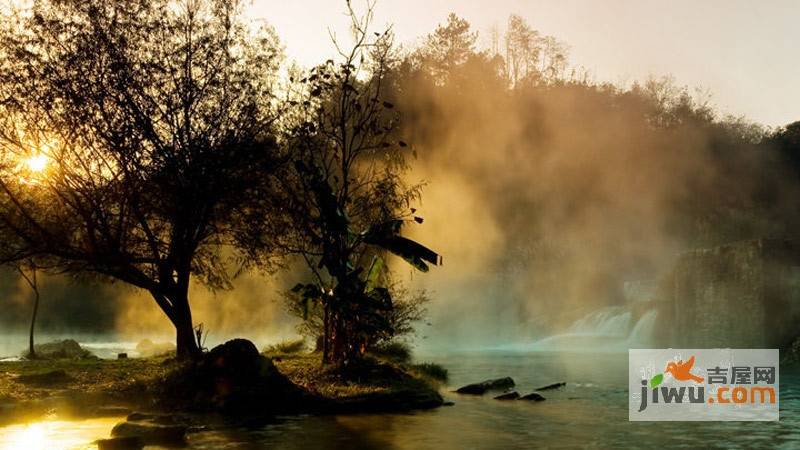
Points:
[(398, 352), (287, 346), (431, 370)]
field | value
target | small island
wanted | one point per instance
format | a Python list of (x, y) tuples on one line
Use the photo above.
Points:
[(233, 379)]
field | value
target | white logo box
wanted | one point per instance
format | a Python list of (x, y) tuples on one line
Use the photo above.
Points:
[(732, 398)]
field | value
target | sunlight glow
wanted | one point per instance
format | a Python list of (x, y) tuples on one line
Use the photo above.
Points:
[(32, 436), (36, 163), (56, 434)]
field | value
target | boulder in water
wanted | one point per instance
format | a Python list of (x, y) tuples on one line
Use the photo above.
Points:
[(481, 388), (151, 433), (551, 386), (510, 396), (532, 397), (120, 443)]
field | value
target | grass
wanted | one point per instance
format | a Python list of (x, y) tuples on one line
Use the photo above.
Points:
[(287, 347), (397, 352), (305, 370), (432, 371), (373, 375), (32, 380)]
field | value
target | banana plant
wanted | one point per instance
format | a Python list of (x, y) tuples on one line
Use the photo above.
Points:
[(355, 306)]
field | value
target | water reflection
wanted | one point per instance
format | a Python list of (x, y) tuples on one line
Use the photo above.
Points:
[(56, 434)]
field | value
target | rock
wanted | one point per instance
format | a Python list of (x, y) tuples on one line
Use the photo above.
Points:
[(510, 396), (448, 404), (122, 356), (791, 354), (533, 397), (488, 385), (551, 386), (45, 378), (66, 349), (120, 443), (236, 355), (232, 378), (713, 287), (151, 433), (393, 400), (147, 348)]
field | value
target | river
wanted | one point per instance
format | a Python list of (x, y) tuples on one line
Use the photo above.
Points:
[(591, 412)]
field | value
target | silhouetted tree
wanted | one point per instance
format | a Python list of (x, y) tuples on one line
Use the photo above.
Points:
[(153, 122), (346, 197), (449, 46), (448, 59), (787, 141), (27, 270), (401, 321)]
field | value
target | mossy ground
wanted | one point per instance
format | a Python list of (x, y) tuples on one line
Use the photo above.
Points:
[(373, 384), (113, 378)]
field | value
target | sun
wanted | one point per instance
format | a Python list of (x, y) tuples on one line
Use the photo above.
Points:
[(36, 163)]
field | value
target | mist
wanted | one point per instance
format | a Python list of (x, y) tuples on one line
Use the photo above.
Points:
[(544, 195), (546, 198)]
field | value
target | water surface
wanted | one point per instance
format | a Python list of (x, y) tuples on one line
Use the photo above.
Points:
[(590, 413)]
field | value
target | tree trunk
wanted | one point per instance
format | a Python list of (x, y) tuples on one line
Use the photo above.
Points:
[(339, 339), (177, 309), (31, 350), (186, 342), (326, 334), (34, 285)]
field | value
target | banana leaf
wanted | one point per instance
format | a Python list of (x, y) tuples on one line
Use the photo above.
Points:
[(374, 273), (412, 252)]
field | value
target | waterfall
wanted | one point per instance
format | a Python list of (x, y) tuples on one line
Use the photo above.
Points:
[(611, 321), (607, 329), (642, 332)]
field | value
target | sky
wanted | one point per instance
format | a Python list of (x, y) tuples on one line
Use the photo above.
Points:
[(744, 52)]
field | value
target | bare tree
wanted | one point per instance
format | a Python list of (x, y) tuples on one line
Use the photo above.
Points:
[(522, 49), (153, 122), (27, 270), (532, 56)]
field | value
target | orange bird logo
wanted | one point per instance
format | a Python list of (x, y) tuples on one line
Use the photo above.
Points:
[(681, 370)]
